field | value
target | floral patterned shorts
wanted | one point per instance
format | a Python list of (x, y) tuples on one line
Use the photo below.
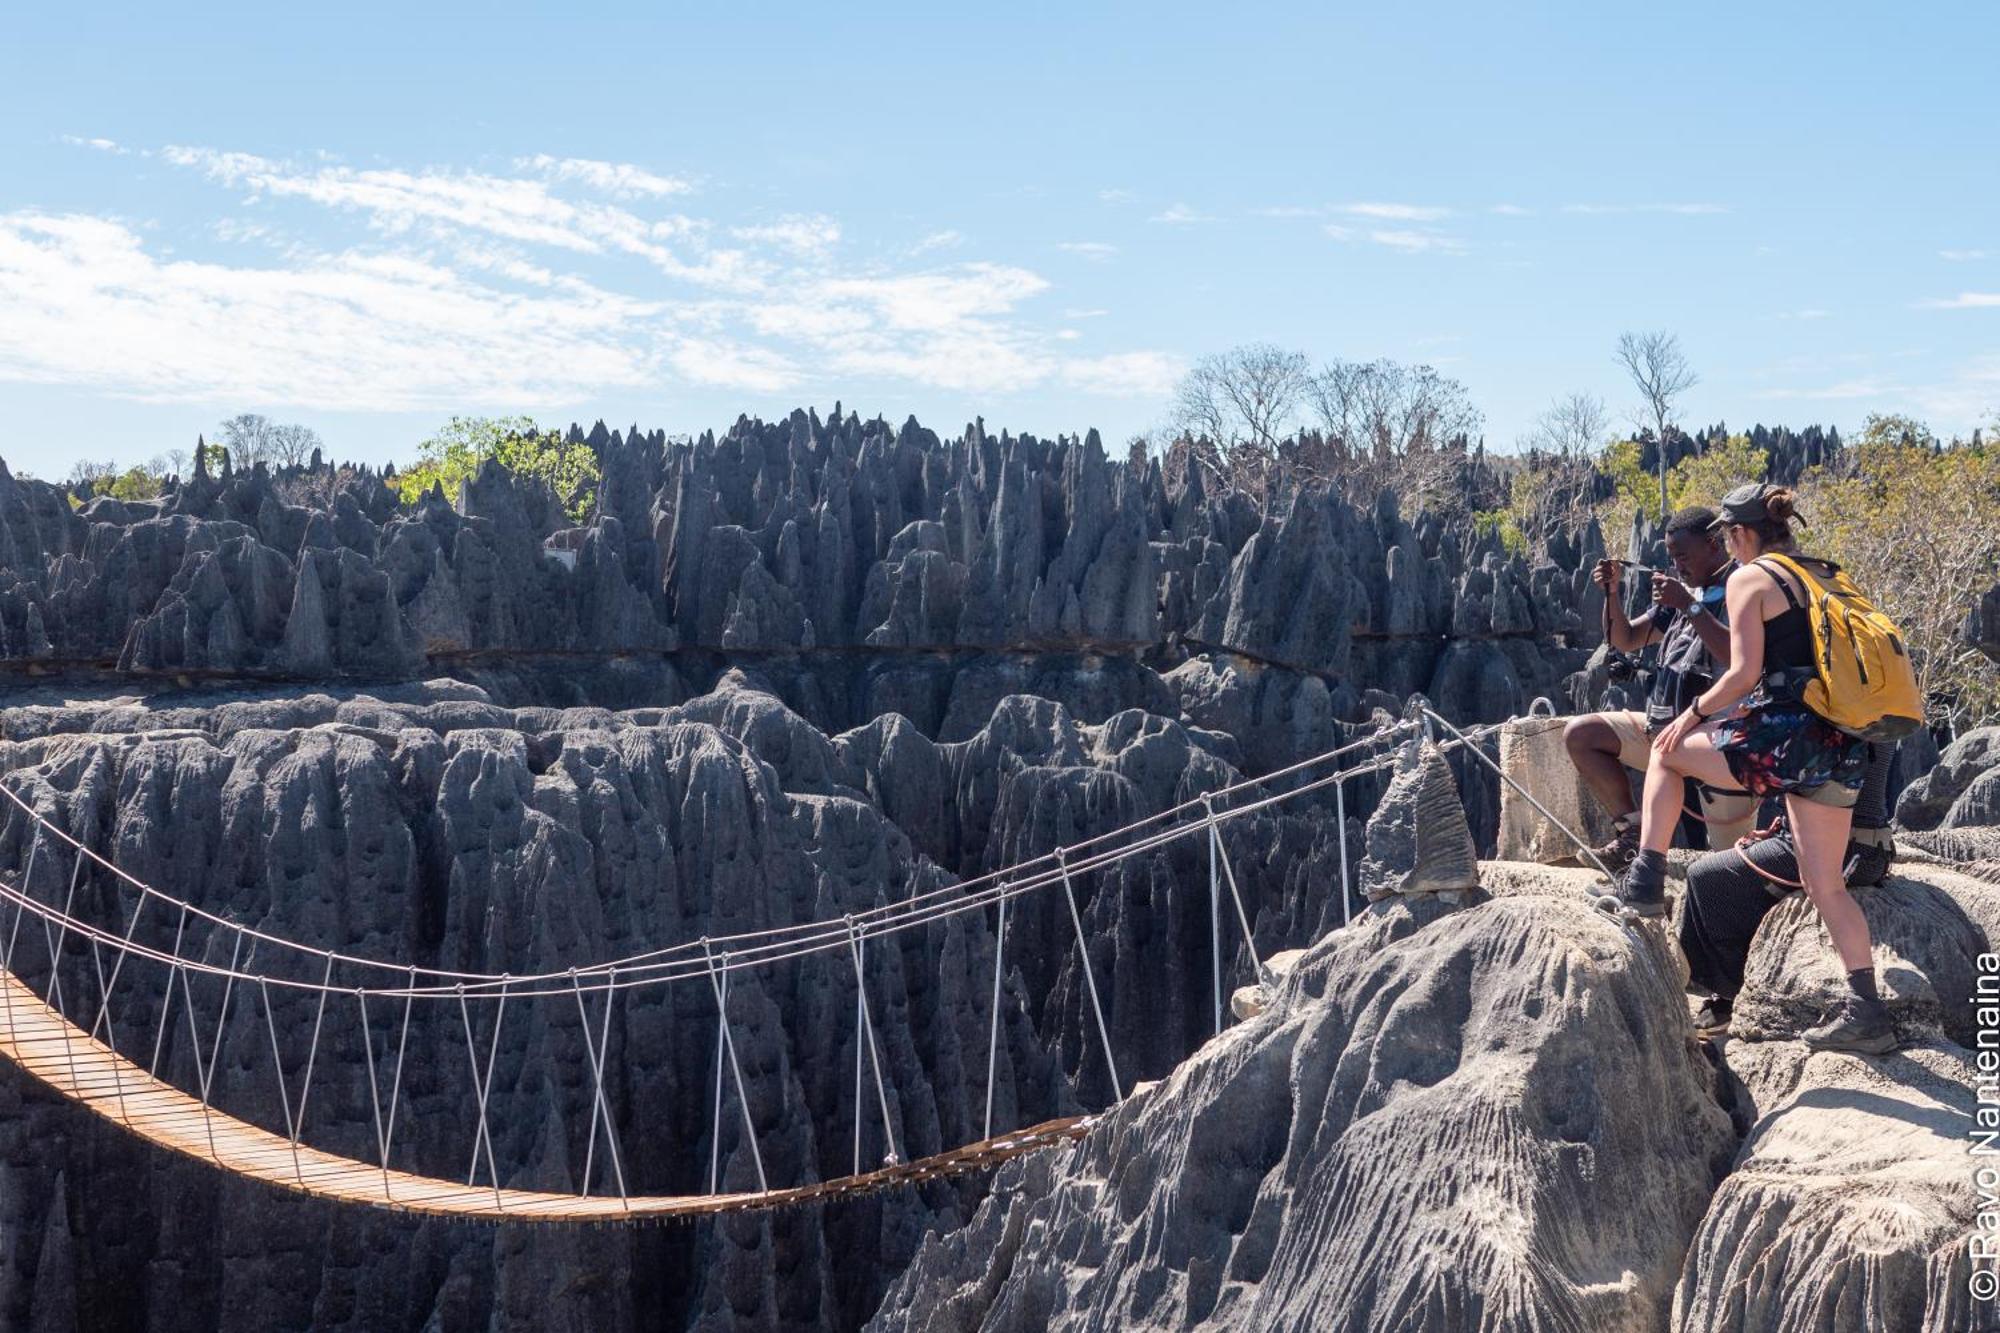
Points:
[(1775, 748)]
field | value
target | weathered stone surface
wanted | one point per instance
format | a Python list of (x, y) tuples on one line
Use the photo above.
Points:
[(1437, 1126), (1849, 1207), (1418, 840)]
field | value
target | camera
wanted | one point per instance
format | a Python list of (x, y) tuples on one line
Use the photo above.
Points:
[(1621, 667)]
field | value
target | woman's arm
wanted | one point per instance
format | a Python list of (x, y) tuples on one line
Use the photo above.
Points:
[(1745, 594)]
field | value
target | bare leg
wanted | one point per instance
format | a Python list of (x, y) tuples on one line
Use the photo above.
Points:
[(1593, 748), (1697, 758), (1820, 834)]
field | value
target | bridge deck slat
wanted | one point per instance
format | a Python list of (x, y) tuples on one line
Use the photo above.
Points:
[(43, 1043)]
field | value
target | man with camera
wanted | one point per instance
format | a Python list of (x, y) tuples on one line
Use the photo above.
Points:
[(1689, 620)]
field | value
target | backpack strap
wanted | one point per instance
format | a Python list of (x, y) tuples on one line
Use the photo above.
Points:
[(1776, 562)]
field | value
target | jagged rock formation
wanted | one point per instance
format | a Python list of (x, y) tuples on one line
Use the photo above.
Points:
[(1344, 1161), (787, 537), (431, 824), (1418, 840), (1438, 1126)]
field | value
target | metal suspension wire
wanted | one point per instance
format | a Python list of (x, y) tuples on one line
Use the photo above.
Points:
[(803, 940), (626, 964), (762, 949)]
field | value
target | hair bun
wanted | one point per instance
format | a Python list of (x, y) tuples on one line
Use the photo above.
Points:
[(1780, 504)]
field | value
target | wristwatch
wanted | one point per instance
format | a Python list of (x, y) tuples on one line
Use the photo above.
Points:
[(1698, 608)]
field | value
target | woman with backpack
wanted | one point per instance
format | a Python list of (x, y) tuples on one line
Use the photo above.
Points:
[(1776, 745)]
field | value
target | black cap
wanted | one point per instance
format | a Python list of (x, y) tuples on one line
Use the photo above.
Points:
[(1743, 505)]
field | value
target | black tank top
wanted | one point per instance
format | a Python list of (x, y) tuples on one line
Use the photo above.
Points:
[(1787, 635)]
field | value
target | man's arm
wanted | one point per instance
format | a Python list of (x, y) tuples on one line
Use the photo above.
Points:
[(1714, 637), (1626, 635)]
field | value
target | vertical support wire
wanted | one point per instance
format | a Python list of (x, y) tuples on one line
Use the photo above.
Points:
[(1242, 916), (1089, 977), (312, 1051), (61, 937), (396, 1085), (110, 1029), (1214, 910), (374, 1091), (14, 931), (1340, 814), (993, 1032), (167, 998), (284, 1092), (597, 1051), (860, 1022), (721, 1056), (206, 1069), (482, 1085), (131, 927), (729, 1044), (855, 945)]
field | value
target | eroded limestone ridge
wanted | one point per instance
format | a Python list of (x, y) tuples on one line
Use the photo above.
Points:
[(785, 536), (1496, 1117)]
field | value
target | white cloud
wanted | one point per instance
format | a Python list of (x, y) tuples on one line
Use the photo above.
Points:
[(101, 145), (733, 365), (1125, 374), (1085, 314), (83, 302), (1511, 211), (1687, 209), (1395, 212), (1179, 215), (943, 300), (444, 286), (1338, 232), (813, 234), (1418, 242), (939, 240), (619, 178), (1117, 196), (1962, 256), (1095, 250), (514, 208), (1963, 301)]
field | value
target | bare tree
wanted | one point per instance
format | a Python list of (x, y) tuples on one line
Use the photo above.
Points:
[(176, 462), (292, 444), (1572, 426), (247, 436), (1392, 410), (1660, 371), (1246, 395)]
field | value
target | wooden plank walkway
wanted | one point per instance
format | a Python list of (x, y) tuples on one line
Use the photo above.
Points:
[(38, 1039)]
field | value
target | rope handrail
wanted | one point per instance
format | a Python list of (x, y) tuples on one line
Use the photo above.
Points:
[(804, 939), (95, 1074), (677, 962)]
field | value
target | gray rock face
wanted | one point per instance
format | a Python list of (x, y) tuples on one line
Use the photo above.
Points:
[(430, 824), (1418, 840), (786, 537), (1437, 1126)]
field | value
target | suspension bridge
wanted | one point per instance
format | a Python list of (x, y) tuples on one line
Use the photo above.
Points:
[(74, 1043)]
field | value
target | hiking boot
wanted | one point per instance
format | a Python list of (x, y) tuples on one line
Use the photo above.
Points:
[(1868, 860), (1712, 1019), (1618, 853), (1641, 894), (1855, 1024)]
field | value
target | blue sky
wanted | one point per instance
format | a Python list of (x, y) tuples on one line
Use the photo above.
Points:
[(371, 217)]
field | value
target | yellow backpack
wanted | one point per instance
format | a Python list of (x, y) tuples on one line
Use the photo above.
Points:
[(1865, 684)]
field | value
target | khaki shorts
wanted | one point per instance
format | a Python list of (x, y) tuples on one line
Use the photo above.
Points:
[(1729, 815)]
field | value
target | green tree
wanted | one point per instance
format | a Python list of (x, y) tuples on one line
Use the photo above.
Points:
[(1700, 479), (455, 454), (1919, 530)]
